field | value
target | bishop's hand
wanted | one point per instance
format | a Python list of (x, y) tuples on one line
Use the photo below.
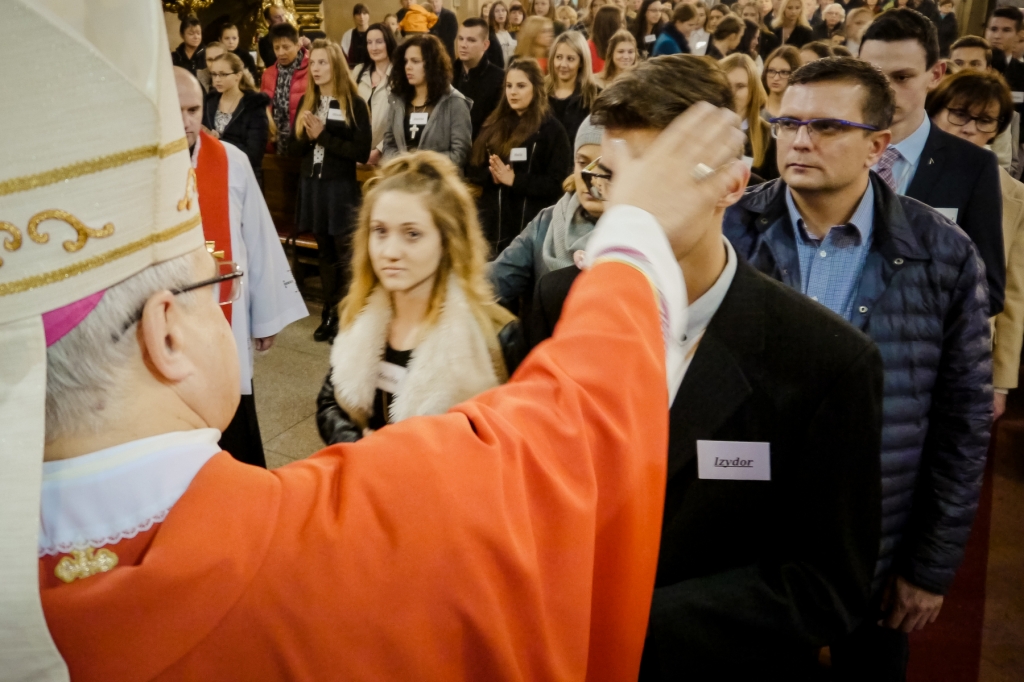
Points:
[(687, 173)]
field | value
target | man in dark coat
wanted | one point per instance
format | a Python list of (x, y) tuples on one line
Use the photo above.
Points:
[(446, 28), (957, 178), (905, 275), (758, 568), (474, 76)]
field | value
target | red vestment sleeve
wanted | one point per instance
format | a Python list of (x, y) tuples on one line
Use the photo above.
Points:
[(514, 538)]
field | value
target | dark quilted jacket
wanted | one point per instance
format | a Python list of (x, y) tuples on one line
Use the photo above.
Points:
[(923, 299)]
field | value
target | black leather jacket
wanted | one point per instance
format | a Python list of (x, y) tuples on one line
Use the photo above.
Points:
[(336, 426)]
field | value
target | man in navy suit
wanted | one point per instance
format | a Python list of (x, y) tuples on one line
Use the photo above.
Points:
[(953, 176)]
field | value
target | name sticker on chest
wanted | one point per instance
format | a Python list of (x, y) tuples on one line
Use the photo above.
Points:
[(725, 460), (950, 213), (1018, 97), (650, 38), (418, 118), (390, 377), (517, 154), (335, 115)]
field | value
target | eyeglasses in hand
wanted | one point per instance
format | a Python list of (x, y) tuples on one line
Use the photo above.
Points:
[(598, 183)]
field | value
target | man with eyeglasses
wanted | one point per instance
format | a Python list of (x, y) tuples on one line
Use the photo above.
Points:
[(906, 276), (953, 176), (758, 568), (238, 228)]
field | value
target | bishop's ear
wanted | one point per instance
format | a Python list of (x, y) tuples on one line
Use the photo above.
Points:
[(162, 333)]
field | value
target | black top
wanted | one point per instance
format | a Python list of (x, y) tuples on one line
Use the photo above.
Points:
[(265, 48), (382, 399), (344, 145), (484, 85), (194, 63), (446, 29), (357, 48), (570, 112), (413, 134), (800, 36), (248, 128), (247, 61)]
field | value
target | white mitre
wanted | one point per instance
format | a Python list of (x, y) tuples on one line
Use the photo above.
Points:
[(95, 186)]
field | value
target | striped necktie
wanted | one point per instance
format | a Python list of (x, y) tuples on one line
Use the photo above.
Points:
[(885, 164)]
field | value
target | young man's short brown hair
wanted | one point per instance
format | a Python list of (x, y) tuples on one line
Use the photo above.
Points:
[(974, 41), (657, 91)]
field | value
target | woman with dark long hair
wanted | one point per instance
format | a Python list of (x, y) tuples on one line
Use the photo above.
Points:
[(647, 26), (607, 22), (372, 78), (520, 157), (332, 132), (424, 110)]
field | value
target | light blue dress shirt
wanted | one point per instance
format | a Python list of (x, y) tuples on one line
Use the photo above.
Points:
[(830, 268), (910, 149)]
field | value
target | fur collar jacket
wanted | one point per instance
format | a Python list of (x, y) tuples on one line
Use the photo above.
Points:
[(454, 361)]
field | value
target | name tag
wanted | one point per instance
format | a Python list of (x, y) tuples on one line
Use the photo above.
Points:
[(650, 38), (1018, 97), (418, 118), (335, 115), (390, 377), (950, 213), (517, 154), (748, 161), (733, 460)]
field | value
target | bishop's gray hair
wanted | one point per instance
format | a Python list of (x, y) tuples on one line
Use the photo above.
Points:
[(83, 368)]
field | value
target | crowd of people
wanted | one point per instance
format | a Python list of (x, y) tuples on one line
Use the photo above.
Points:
[(666, 340), (880, 179)]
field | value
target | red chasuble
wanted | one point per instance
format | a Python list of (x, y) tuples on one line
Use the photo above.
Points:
[(514, 538), (214, 202)]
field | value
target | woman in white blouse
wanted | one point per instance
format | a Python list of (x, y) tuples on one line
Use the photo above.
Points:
[(372, 82), (498, 21)]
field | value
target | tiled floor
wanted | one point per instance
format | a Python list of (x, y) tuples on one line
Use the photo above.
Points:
[(287, 379)]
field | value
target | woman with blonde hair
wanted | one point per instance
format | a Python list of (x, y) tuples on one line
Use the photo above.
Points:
[(570, 83), (791, 25), (534, 39), (235, 110), (621, 57), (420, 331), (333, 133), (749, 99)]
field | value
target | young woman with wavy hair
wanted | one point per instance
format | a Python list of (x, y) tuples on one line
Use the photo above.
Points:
[(420, 331), (520, 158), (425, 111), (749, 99), (621, 57), (333, 133)]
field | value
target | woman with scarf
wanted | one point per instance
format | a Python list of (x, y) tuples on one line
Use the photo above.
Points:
[(552, 239)]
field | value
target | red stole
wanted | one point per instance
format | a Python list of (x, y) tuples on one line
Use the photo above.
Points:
[(214, 203)]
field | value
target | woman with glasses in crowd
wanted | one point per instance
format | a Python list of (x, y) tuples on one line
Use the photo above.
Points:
[(779, 66), (647, 26), (498, 22), (235, 110), (372, 80), (534, 40), (791, 25), (558, 234), (332, 133), (978, 107), (748, 100), (520, 157), (424, 110), (419, 331), (607, 22), (570, 86), (622, 58)]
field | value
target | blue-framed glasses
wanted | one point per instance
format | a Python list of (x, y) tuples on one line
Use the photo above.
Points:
[(817, 128)]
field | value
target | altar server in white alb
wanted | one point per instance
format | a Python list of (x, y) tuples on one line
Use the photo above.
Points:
[(238, 227)]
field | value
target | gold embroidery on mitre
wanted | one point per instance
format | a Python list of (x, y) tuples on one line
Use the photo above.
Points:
[(191, 188), (83, 230), (83, 563), (89, 166), (12, 243), (60, 274)]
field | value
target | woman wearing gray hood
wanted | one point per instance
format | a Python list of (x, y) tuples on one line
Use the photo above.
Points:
[(550, 240)]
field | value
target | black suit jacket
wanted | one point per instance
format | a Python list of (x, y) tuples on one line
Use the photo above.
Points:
[(755, 576), (954, 173), (484, 85)]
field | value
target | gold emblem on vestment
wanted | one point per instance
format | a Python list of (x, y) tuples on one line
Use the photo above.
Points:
[(82, 563)]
